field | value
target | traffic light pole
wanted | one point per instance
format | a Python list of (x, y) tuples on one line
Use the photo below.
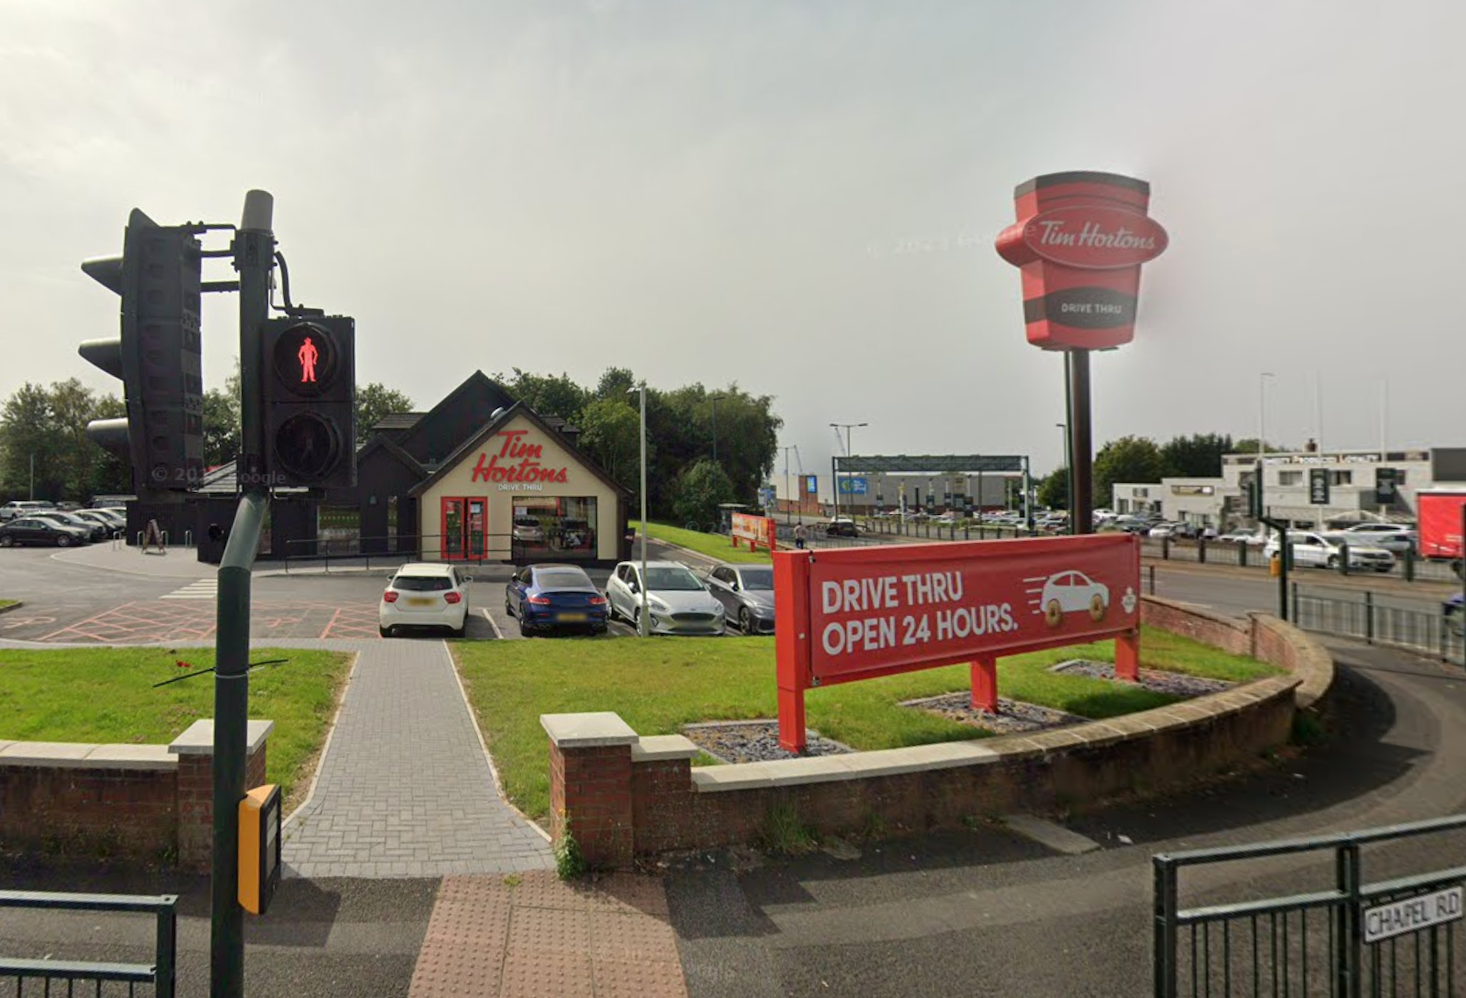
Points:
[(254, 258)]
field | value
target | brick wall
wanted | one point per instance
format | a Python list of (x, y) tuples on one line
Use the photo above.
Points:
[(669, 806)]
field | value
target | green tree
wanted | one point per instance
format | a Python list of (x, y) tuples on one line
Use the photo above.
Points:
[(1053, 489), (30, 435), (374, 401), (1198, 456), (73, 406), (1248, 445), (1128, 459), (610, 432), (698, 491), (615, 382), (548, 395)]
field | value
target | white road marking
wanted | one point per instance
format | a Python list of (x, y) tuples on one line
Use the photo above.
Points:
[(497, 633), (200, 589)]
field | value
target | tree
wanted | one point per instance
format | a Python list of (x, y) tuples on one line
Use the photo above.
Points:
[(548, 395), (374, 401), (73, 406), (31, 441), (610, 432), (1248, 445), (615, 382), (1198, 456), (1128, 459), (699, 490), (1053, 489)]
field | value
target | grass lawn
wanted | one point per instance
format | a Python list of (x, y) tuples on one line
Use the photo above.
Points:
[(6, 602), (713, 545), (663, 683), (106, 695)]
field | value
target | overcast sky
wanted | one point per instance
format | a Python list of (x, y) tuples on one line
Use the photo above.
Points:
[(797, 197)]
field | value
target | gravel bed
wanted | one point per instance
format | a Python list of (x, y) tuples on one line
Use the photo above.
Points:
[(1013, 716), (754, 741), (1174, 683)]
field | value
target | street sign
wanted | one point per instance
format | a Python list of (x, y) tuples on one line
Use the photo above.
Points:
[(854, 486), (1318, 486), (812, 484), (1385, 482), (1412, 914)]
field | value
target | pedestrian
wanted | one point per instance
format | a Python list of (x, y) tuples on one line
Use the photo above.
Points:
[(153, 535), (800, 535)]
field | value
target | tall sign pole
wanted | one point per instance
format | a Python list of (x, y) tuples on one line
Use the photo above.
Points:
[(1079, 242)]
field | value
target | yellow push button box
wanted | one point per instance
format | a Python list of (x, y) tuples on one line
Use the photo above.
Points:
[(259, 848)]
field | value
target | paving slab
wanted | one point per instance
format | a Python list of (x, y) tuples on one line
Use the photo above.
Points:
[(405, 788)]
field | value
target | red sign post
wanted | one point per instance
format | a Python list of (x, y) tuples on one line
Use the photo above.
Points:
[(860, 613)]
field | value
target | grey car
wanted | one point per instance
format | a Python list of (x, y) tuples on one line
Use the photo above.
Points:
[(747, 595), (679, 602)]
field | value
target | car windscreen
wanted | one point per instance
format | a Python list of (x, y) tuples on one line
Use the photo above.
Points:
[(563, 579), (671, 580), (757, 578), (525, 521), (422, 583)]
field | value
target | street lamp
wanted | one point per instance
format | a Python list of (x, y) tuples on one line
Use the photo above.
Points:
[(714, 400), (788, 496), (641, 618), (1262, 379), (838, 427), (1068, 473)]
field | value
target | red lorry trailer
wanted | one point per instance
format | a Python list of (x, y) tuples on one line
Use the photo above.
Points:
[(1439, 513)]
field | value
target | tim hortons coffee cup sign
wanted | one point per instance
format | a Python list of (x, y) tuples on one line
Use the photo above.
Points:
[(1080, 241)]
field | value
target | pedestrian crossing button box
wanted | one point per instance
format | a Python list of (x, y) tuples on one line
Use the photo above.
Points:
[(259, 848)]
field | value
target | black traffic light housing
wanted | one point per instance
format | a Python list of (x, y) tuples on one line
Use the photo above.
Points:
[(308, 373), (158, 355)]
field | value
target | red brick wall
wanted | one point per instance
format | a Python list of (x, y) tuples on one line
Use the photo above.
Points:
[(93, 812), (196, 806), (593, 788)]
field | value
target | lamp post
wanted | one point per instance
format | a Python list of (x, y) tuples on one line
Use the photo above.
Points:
[(1262, 379), (787, 495), (641, 618), (714, 400), (1068, 474), (838, 427)]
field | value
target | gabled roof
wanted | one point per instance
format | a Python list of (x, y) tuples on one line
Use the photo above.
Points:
[(476, 441), (398, 421), (476, 387), (381, 441)]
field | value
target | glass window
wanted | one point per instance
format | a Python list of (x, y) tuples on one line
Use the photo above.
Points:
[(672, 580), (338, 529), (1290, 478), (758, 578), (564, 579), (423, 583), (1341, 477)]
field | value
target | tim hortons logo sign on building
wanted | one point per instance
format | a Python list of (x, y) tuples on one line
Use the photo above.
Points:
[(515, 461), (1080, 240)]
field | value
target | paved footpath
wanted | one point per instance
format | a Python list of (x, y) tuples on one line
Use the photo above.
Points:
[(405, 789)]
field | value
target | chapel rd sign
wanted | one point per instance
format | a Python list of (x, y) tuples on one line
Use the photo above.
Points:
[(860, 613)]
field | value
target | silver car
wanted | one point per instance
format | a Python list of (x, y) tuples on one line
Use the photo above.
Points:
[(678, 601)]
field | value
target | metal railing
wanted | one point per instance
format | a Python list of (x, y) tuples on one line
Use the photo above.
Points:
[(1409, 567), (161, 973), (384, 552), (1385, 939), (1364, 617)]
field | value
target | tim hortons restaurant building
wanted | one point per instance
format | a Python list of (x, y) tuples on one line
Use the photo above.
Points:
[(479, 477)]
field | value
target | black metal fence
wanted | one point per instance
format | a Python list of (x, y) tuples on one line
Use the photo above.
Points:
[(97, 979), (1386, 939), (1366, 618), (373, 552)]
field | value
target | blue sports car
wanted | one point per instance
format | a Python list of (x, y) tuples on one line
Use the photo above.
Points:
[(555, 597)]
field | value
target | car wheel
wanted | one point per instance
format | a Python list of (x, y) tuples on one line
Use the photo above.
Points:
[(6, 540), (1053, 613), (1096, 607), (461, 631), (508, 607), (611, 615), (524, 629), (63, 541), (1333, 561), (744, 623)]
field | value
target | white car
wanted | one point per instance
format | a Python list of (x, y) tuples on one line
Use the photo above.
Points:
[(528, 529), (23, 507), (678, 600), (1073, 592), (1327, 551), (424, 594)]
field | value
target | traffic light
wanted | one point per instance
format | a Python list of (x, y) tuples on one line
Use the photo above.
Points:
[(309, 389), (158, 355)]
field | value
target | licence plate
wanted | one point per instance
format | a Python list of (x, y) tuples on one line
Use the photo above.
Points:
[(572, 618), (419, 601)]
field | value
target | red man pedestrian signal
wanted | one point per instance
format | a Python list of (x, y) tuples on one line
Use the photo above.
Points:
[(310, 400)]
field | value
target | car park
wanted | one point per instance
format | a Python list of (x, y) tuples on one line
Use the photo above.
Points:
[(547, 598), (34, 530), (747, 595), (678, 602), (112, 524), (23, 507), (1326, 550), (95, 531), (424, 594)]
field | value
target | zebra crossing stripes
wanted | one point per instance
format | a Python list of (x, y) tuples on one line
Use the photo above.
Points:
[(200, 589)]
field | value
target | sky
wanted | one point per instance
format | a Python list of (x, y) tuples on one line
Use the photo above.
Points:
[(799, 198)]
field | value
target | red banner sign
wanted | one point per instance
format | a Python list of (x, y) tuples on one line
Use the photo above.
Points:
[(756, 530), (859, 613)]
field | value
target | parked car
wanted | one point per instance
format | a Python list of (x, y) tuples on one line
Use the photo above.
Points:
[(841, 526), (550, 597), (23, 507), (678, 601), (1396, 538), (1251, 538), (35, 530), (424, 594), (528, 530), (94, 531), (747, 595), (1311, 548), (112, 524)]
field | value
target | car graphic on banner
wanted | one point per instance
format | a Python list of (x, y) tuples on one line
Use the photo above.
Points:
[(1069, 592)]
